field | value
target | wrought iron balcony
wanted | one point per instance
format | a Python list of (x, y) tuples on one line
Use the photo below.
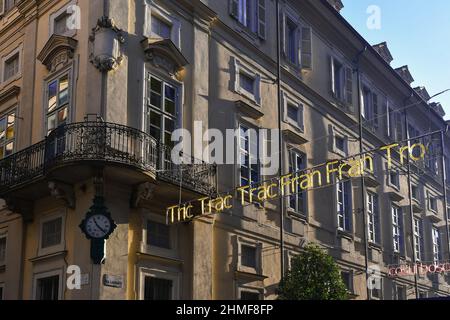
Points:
[(102, 143)]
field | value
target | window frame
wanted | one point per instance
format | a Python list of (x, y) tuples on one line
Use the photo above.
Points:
[(292, 152), (16, 51), (351, 276), (2, 287), (239, 68), (250, 289), (436, 244), (348, 212), (4, 235), (298, 124), (394, 184), (6, 142), (397, 229), (154, 250), (160, 273), (258, 252), (177, 118), (418, 238), (432, 199), (153, 9), (48, 274), (52, 78), (57, 14), (375, 230), (241, 151), (57, 247)]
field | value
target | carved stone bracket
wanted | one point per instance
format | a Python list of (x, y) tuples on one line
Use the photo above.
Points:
[(20, 206), (106, 43), (63, 191), (142, 192)]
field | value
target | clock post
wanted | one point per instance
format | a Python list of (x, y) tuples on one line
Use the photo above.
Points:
[(98, 226)]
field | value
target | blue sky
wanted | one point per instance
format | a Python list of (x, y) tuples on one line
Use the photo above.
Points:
[(418, 35)]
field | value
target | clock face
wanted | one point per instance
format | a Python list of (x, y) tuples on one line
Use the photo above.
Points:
[(98, 226)]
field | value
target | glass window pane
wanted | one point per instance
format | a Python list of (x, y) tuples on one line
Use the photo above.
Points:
[(169, 125), (155, 100), (2, 152), (62, 116), (2, 129), (51, 122), (155, 119), (10, 133), (156, 85), (170, 93), (160, 28), (52, 89), (63, 90), (169, 107)]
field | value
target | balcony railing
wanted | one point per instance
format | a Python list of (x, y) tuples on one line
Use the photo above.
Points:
[(102, 142)]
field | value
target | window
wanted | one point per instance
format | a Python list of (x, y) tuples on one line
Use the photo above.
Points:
[(6, 6), (297, 200), (2, 286), (432, 203), (162, 112), (158, 235), (369, 107), (399, 292), (340, 144), (347, 278), (394, 178), (160, 28), (7, 133), (432, 159), (373, 218), (11, 67), (423, 294), (251, 14), (247, 83), (2, 250), (58, 97), (397, 229), (415, 192), (344, 207), (248, 150), (436, 245), (294, 113), (418, 239), (341, 82), (158, 289), (51, 233), (248, 256), (376, 292), (47, 288), (292, 41), (249, 295), (60, 24)]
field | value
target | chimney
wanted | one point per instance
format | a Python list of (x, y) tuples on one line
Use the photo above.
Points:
[(384, 52), (405, 74), (336, 4), (422, 91)]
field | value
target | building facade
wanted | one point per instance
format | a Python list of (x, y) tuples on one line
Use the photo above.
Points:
[(91, 91)]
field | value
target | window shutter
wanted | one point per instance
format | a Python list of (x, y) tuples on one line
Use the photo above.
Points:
[(376, 217), (284, 103), (283, 42), (398, 126), (332, 71), (301, 122), (2, 7), (306, 48), (375, 113), (349, 87), (347, 205), (234, 8), (388, 118), (262, 19), (402, 231), (422, 241)]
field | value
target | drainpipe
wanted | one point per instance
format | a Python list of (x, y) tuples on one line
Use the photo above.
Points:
[(411, 210), (280, 139), (363, 187), (444, 186)]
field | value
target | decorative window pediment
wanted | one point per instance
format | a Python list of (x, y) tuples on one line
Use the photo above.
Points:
[(163, 53), (57, 51)]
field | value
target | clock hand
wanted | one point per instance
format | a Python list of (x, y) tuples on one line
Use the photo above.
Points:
[(101, 229)]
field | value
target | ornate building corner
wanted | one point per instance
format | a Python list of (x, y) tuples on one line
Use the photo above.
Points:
[(63, 191), (105, 44), (142, 192), (57, 52)]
